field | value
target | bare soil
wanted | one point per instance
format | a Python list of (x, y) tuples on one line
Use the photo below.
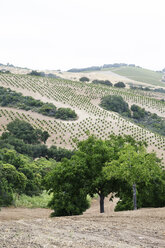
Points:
[(33, 228)]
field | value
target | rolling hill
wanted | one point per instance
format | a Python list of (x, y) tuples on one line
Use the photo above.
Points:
[(84, 98), (140, 74)]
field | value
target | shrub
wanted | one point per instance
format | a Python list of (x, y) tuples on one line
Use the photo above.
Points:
[(116, 104), (120, 85), (84, 79), (105, 82)]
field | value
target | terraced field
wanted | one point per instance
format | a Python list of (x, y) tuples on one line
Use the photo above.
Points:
[(84, 99)]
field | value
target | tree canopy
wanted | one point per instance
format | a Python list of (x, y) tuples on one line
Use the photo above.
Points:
[(104, 82), (119, 85), (116, 104), (24, 131), (84, 79), (103, 167), (20, 174)]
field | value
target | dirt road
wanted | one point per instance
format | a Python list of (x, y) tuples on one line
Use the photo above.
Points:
[(32, 228)]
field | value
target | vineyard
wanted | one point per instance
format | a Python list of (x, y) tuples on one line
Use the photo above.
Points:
[(84, 98)]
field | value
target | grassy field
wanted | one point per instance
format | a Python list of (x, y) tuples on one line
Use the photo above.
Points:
[(140, 74)]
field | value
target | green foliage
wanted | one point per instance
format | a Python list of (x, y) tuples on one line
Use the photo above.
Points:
[(22, 137), (104, 82), (6, 196), (17, 100), (34, 151), (116, 104), (84, 79), (10, 181), (24, 131), (62, 113), (119, 85), (35, 73), (136, 166), (40, 201), (95, 153), (67, 183), (138, 112), (152, 121), (83, 174), (20, 175), (58, 153), (48, 109)]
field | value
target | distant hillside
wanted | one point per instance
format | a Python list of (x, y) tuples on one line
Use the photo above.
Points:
[(98, 68), (140, 74), (84, 98), (130, 71)]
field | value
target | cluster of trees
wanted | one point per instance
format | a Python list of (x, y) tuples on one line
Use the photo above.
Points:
[(139, 115), (119, 165), (104, 82), (11, 98), (23, 138), (98, 68), (133, 87), (147, 119), (19, 174), (42, 74), (116, 104)]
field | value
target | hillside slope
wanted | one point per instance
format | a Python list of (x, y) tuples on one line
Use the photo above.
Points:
[(140, 74), (84, 99)]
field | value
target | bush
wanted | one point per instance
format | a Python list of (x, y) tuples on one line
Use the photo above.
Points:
[(105, 82), (120, 85), (138, 112), (116, 104), (66, 182), (84, 79)]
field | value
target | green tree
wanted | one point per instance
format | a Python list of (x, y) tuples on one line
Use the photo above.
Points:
[(116, 104), (67, 183), (59, 153), (24, 131), (136, 169), (95, 153), (104, 82), (138, 113), (84, 79), (44, 136), (11, 181), (119, 85)]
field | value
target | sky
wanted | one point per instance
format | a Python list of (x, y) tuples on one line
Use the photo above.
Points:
[(64, 34)]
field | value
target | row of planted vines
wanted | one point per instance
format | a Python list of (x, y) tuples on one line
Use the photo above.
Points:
[(84, 98)]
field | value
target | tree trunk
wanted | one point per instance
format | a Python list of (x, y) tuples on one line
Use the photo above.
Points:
[(101, 204), (134, 197)]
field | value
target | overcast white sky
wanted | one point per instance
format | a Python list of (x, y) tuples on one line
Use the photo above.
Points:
[(62, 34)]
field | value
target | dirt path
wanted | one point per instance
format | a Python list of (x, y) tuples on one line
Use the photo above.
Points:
[(32, 228)]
